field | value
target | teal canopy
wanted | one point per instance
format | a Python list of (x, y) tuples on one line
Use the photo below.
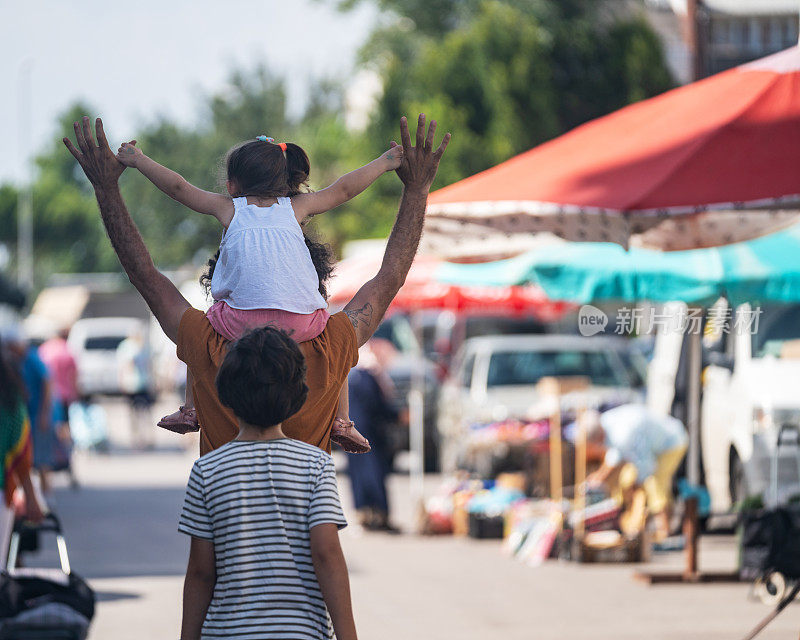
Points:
[(763, 270)]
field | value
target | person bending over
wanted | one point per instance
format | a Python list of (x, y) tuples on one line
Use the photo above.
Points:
[(649, 444), (263, 512), (264, 275)]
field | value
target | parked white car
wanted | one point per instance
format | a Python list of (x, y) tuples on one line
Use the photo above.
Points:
[(494, 378), (748, 396), (94, 343), (749, 393)]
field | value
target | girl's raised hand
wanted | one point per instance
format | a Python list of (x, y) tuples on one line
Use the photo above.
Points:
[(393, 157), (128, 154)]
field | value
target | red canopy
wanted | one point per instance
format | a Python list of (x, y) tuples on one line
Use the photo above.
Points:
[(421, 291), (677, 170)]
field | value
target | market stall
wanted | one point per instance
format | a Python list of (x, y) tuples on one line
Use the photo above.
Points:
[(762, 270), (669, 173), (422, 292), (537, 501)]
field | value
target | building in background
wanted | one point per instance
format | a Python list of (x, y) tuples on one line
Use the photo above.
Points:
[(704, 37)]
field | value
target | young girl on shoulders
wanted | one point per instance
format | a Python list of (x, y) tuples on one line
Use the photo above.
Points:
[(264, 275)]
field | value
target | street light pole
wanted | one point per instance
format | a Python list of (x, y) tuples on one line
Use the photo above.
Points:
[(25, 199), (416, 418)]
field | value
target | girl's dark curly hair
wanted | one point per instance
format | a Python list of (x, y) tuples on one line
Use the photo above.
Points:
[(321, 255), (258, 168)]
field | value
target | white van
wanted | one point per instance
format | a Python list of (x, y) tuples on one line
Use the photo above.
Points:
[(750, 390), (94, 343), (749, 394)]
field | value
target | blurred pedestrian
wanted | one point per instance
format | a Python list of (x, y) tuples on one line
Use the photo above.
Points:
[(649, 444), (16, 449), (60, 362), (371, 408), (42, 410), (133, 360)]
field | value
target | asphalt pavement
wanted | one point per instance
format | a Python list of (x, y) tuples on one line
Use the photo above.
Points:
[(121, 533)]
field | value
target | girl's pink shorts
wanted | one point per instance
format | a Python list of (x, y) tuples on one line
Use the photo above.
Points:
[(232, 323)]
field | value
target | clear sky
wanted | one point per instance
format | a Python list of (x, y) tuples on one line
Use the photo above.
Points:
[(137, 59)]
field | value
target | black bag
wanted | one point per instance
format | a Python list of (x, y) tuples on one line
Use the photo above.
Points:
[(485, 527), (771, 537), (20, 593), (25, 590), (771, 542)]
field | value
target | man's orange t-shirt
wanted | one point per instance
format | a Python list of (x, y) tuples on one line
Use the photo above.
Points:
[(329, 358)]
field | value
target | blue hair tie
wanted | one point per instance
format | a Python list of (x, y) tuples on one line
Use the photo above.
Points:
[(265, 139)]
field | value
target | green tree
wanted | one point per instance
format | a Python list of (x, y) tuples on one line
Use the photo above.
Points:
[(505, 76), (68, 234)]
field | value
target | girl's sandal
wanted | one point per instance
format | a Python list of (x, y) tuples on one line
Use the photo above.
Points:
[(345, 434), (182, 421)]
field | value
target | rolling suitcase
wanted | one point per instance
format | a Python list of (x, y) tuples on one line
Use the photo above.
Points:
[(43, 604)]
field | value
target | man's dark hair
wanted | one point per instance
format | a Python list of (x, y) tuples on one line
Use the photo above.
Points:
[(263, 378)]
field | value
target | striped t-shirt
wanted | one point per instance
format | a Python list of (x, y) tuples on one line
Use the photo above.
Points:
[(257, 502)]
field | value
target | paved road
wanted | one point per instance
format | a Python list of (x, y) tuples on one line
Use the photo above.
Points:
[(121, 535)]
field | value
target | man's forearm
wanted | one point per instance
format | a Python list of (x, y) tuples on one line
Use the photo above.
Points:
[(164, 300), (369, 305), (403, 242), (417, 171), (125, 237), (103, 170)]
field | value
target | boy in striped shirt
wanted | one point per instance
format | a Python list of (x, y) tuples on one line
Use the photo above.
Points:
[(263, 513)]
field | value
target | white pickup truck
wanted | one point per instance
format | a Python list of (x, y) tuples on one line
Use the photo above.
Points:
[(746, 401), (750, 390)]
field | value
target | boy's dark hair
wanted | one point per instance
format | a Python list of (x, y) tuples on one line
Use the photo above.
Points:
[(258, 168), (263, 378)]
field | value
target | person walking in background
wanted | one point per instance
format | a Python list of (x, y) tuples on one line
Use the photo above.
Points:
[(58, 358), (16, 450), (371, 408), (60, 362), (42, 410), (135, 381), (263, 512)]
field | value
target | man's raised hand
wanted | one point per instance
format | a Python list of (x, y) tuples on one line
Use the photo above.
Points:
[(96, 158), (420, 162)]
